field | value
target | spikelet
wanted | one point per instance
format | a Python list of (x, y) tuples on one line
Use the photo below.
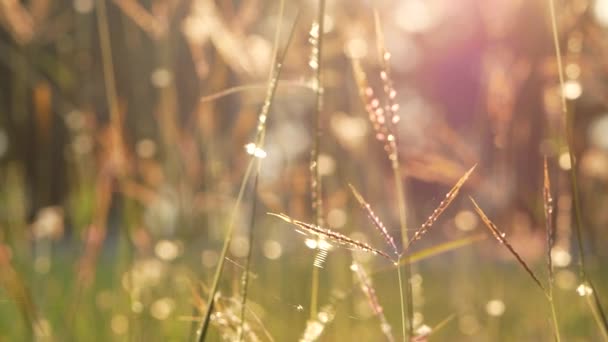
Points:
[(375, 219), (382, 122), (370, 293), (501, 237), (449, 197), (331, 235)]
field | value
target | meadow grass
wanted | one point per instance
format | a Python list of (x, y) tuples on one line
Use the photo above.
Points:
[(196, 208)]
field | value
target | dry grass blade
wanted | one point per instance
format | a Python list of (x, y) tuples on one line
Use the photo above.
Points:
[(500, 236), (332, 236), (375, 219), (449, 197)]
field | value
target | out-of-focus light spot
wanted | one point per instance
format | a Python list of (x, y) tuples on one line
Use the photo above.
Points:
[(564, 161), (324, 245), (145, 148), (560, 256), (594, 163), (465, 220), (350, 131), (354, 267), (416, 280), (162, 308), (600, 10), (48, 224), (119, 324), (414, 16), (417, 319), (42, 264), (572, 89), (423, 330), (255, 151), (239, 247), (209, 258), (495, 307), (575, 42), (161, 78), (573, 71), (42, 329), (565, 279), (75, 120), (167, 250), (355, 48), (82, 144), (336, 218), (272, 249), (584, 290), (468, 324), (598, 132), (104, 300), (327, 165), (3, 143), (83, 6), (328, 23), (137, 307), (311, 243)]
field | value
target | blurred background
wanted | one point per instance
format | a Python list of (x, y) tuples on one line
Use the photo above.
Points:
[(123, 126)]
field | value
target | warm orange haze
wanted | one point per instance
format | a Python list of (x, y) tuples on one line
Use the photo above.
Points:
[(311, 170)]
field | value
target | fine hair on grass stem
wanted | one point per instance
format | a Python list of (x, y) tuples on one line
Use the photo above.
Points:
[(263, 116)]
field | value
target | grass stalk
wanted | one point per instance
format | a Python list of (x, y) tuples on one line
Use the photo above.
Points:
[(317, 195), (595, 305), (550, 231), (245, 278), (272, 86)]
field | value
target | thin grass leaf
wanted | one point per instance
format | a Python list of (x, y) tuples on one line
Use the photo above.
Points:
[(443, 248), (332, 236), (501, 237), (375, 219), (202, 332), (449, 197)]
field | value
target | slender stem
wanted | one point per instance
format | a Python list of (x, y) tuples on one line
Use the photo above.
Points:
[(405, 240), (263, 116), (245, 279), (554, 315), (597, 316), (596, 309), (317, 200), (403, 330), (262, 135), (254, 86), (108, 65)]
